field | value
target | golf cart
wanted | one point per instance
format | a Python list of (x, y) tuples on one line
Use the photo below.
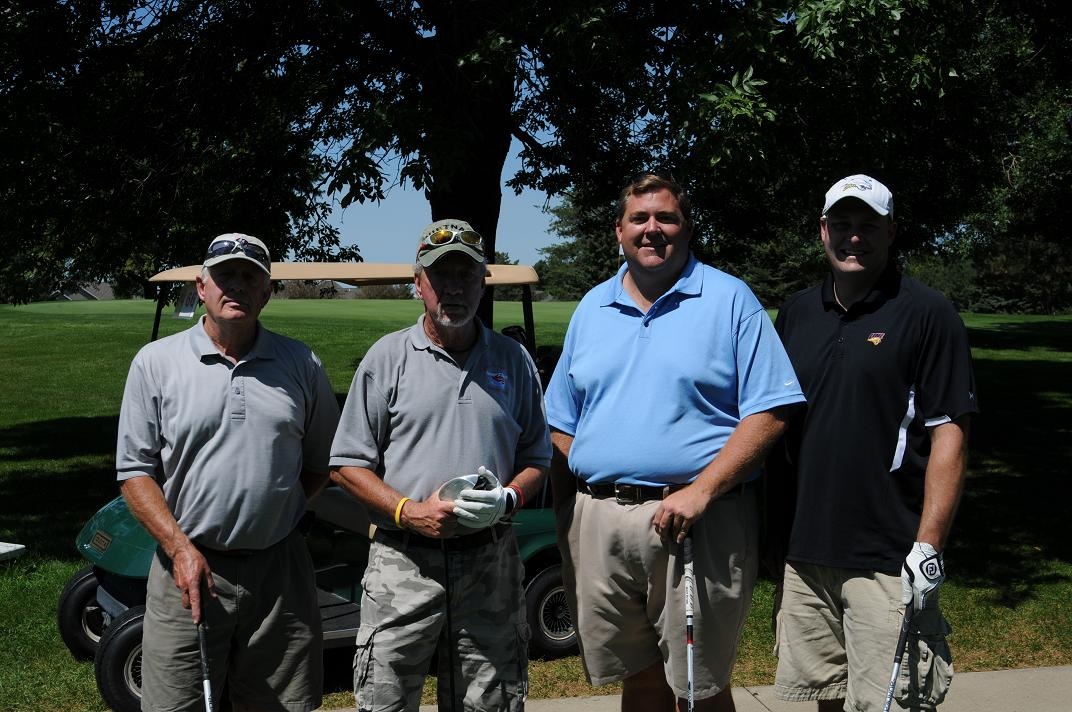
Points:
[(101, 609)]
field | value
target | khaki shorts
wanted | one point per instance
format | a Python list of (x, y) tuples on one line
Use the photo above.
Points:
[(263, 633), (404, 618), (630, 614), (836, 634)]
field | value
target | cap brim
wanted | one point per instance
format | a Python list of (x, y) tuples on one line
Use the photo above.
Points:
[(429, 257), (212, 261), (857, 196)]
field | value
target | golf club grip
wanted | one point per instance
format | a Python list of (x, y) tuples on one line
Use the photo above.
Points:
[(902, 641), (690, 578), (690, 586), (206, 679)]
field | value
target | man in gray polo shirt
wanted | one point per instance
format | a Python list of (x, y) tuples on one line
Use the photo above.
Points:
[(224, 434), (441, 399)]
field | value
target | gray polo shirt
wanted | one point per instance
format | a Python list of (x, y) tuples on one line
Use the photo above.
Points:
[(417, 419), (227, 442)]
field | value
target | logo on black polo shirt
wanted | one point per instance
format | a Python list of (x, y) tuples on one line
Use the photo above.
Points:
[(876, 337), (496, 378)]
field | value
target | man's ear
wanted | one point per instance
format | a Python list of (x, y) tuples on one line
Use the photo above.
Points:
[(199, 282), (417, 286), (893, 232)]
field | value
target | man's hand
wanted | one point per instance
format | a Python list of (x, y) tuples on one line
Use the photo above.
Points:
[(188, 569), (678, 512), (432, 518), (922, 574), (481, 508)]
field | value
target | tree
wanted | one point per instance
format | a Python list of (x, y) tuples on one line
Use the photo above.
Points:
[(587, 255), (961, 108), (446, 85), (130, 131), (133, 132)]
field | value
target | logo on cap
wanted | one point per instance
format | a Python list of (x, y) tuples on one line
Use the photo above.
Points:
[(861, 183)]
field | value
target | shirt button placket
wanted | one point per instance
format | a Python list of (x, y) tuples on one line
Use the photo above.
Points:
[(238, 396)]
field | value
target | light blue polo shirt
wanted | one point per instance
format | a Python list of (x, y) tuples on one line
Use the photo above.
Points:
[(650, 399)]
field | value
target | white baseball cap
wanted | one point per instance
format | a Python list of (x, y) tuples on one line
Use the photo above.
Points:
[(236, 246), (877, 196)]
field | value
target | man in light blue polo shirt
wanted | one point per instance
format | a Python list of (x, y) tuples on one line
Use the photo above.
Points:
[(224, 435), (671, 386)]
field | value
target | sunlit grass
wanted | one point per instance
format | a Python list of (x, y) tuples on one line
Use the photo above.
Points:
[(1009, 596)]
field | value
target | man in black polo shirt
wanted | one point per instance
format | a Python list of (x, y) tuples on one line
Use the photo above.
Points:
[(880, 457)]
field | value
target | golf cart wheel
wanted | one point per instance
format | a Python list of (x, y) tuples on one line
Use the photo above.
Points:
[(118, 661), (549, 615), (80, 618)]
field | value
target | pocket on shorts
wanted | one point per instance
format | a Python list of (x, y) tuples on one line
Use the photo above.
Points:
[(927, 670), (364, 659)]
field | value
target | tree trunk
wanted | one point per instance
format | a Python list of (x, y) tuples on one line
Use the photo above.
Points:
[(466, 146)]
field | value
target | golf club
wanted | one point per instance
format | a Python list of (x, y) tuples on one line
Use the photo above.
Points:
[(902, 641), (206, 680), (690, 583), (450, 627)]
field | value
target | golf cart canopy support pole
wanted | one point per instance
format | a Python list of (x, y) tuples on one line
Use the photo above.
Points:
[(161, 294), (530, 324)]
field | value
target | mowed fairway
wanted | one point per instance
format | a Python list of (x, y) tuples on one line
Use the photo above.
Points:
[(1009, 597)]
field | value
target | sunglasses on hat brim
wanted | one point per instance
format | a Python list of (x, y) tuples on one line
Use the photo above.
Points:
[(446, 236), (229, 247)]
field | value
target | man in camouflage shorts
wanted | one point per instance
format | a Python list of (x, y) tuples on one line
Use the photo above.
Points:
[(444, 398)]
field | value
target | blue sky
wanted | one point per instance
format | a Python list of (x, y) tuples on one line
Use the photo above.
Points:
[(387, 231)]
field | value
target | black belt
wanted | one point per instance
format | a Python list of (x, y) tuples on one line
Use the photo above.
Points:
[(637, 494), (404, 539)]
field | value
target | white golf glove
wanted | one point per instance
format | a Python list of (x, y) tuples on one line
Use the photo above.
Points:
[(921, 575), (484, 503)]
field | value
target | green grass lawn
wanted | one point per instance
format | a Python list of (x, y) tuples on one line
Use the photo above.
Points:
[(1009, 596)]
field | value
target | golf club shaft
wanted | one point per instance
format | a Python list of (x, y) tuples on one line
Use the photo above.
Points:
[(902, 640), (690, 584), (206, 679), (450, 628)]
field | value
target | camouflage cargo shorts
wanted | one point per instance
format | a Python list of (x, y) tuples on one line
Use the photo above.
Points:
[(404, 621)]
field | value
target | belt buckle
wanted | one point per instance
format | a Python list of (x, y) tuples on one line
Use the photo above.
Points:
[(626, 494)]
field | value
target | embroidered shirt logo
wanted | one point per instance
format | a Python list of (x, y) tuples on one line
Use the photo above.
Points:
[(876, 337), (496, 378)]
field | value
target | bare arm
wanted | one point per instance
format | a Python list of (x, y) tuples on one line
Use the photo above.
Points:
[(944, 482), (432, 518), (742, 454), (146, 502), (563, 482)]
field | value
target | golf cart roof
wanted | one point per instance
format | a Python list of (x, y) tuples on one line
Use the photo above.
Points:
[(358, 273)]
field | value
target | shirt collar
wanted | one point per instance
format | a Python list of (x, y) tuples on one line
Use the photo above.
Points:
[(689, 284), (419, 337), (884, 289), (203, 346)]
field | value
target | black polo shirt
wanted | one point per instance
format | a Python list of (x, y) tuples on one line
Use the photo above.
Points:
[(875, 378)]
